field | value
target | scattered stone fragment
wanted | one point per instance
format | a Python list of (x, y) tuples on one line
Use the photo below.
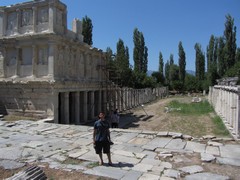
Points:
[(209, 137), (191, 169), (207, 157), (211, 143)]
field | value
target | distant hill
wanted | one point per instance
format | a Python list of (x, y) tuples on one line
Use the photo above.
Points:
[(191, 72), (149, 72)]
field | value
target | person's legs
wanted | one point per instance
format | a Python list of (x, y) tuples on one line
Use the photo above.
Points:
[(106, 150), (101, 159), (109, 158), (98, 149)]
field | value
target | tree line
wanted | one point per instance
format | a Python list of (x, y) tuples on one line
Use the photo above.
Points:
[(222, 59)]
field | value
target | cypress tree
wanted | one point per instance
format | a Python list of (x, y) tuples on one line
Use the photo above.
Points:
[(182, 63), (161, 64), (87, 28), (230, 46)]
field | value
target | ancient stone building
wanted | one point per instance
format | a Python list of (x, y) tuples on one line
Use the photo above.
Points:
[(47, 71)]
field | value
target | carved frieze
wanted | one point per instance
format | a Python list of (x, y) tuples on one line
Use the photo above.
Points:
[(12, 21), (43, 15), (27, 17)]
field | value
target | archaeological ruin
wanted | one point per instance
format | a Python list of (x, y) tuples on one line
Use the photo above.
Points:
[(47, 71)]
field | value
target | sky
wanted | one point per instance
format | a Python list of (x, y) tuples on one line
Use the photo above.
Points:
[(164, 23)]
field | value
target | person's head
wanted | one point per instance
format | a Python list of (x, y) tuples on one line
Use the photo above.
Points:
[(101, 115)]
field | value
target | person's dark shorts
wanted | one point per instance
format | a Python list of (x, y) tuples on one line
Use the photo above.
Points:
[(102, 146)]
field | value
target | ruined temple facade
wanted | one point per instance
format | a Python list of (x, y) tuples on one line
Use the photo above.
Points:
[(46, 68), (48, 71)]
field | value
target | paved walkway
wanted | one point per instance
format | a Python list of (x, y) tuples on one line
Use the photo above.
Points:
[(136, 154)]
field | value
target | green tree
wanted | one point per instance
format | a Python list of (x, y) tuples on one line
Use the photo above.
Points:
[(140, 52), (212, 74), (145, 60), (181, 63), (200, 62), (161, 64), (230, 45), (167, 70), (220, 57), (171, 59), (87, 28), (238, 55), (122, 63)]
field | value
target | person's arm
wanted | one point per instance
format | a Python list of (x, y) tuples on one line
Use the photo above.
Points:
[(94, 136), (109, 138)]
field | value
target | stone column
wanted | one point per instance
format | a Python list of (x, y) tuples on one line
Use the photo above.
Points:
[(55, 104), (52, 16), (18, 20), (34, 60), (51, 59), (99, 101), (77, 108), (2, 62), (66, 108), (92, 105), (238, 113), (18, 61), (104, 101), (85, 106), (34, 19), (2, 22)]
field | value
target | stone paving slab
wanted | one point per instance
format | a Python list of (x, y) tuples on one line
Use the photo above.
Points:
[(195, 147), (176, 144), (134, 154), (106, 172), (230, 151), (10, 164), (206, 176), (130, 175), (157, 143)]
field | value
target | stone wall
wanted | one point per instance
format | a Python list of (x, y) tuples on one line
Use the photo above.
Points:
[(226, 102)]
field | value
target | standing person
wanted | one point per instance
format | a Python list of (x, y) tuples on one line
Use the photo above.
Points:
[(101, 138), (115, 119)]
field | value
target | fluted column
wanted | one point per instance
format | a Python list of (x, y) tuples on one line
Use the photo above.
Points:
[(77, 108), (92, 105), (85, 106), (66, 108), (34, 19), (34, 60)]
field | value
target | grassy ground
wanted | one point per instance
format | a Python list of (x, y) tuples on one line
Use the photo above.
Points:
[(199, 112), (195, 119)]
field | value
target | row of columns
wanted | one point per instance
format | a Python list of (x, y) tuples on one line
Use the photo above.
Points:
[(81, 107), (226, 102)]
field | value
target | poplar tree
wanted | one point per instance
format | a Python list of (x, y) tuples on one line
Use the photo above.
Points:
[(140, 52), (167, 72), (161, 64), (200, 62), (212, 74), (122, 63), (220, 57), (230, 45), (87, 28), (181, 63)]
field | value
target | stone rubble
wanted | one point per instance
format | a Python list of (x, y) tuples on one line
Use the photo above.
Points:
[(135, 154)]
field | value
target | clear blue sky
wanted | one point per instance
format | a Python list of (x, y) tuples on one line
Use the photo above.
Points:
[(164, 23)]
